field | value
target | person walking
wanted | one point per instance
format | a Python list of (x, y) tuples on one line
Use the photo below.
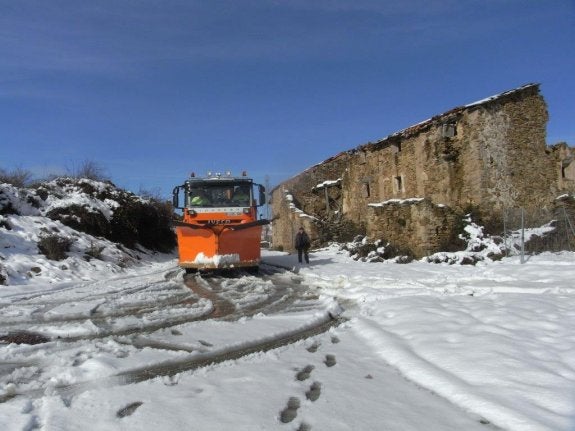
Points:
[(302, 245)]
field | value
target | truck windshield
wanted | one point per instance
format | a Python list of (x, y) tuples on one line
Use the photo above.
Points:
[(218, 195)]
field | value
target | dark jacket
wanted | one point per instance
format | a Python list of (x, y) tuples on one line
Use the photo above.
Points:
[(302, 241)]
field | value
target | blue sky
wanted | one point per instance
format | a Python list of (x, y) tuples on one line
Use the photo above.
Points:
[(152, 90)]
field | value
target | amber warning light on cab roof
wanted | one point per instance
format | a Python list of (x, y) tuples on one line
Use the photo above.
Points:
[(218, 174)]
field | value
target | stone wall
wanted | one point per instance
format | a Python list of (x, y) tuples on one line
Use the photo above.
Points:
[(289, 218), (564, 158), (297, 202), (484, 157), (488, 156), (564, 207), (416, 225), (516, 168)]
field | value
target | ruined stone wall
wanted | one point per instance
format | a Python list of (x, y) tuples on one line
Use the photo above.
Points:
[(482, 157), (288, 219), (517, 168), (564, 220), (494, 157), (296, 203), (565, 205), (564, 158), (428, 164), (416, 225), (423, 165)]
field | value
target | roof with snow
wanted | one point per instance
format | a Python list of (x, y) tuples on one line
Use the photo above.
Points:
[(446, 116), (426, 124)]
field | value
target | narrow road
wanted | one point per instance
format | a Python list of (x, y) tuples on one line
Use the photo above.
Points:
[(136, 315)]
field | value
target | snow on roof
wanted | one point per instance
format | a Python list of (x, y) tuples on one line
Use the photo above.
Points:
[(421, 126), (424, 125), (500, 95)]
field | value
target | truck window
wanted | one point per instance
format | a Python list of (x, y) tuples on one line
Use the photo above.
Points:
[(219, 195), (241, 196), (197, 197)]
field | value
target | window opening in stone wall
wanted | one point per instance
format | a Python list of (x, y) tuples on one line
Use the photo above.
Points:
[(448, 130), (399, 184), (365, 190), (567, 171)]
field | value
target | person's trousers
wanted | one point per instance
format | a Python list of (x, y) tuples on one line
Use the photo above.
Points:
[(305, 253)]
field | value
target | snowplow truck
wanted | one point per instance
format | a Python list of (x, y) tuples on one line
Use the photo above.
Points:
[(219, 227)]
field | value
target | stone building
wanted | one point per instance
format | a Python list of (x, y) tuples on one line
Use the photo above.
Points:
[(412, 187)]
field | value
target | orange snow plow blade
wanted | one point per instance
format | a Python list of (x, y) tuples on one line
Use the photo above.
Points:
[(211, 248)]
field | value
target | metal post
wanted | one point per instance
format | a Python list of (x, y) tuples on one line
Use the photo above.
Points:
[(568, 225), (522, 235), (505, 232), (268, 196)]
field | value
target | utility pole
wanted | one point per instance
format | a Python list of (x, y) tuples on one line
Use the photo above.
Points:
[(268, 196), (522, 235)]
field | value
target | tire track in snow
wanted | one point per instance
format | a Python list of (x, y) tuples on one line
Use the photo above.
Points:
[(280, 291), (189, 363)]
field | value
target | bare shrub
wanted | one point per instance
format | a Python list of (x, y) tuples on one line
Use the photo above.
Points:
[(148, 224), (379, 251), (154, 194), (82, 219), (88, 169), (125, 262), (54, 247), (4, 224), (6, 206), (93, 252), (18, 177)]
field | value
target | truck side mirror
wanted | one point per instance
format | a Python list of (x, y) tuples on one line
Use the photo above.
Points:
[(176, 197)]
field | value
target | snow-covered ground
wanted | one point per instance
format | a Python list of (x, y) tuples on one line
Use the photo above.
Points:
[(122, 343), (495, 339), (423, 347)]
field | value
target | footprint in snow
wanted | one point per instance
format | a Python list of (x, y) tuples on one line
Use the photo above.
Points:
[(305, 373), (330, 360), (129, 409), (314, 391), (290, 412), (313, 348)]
